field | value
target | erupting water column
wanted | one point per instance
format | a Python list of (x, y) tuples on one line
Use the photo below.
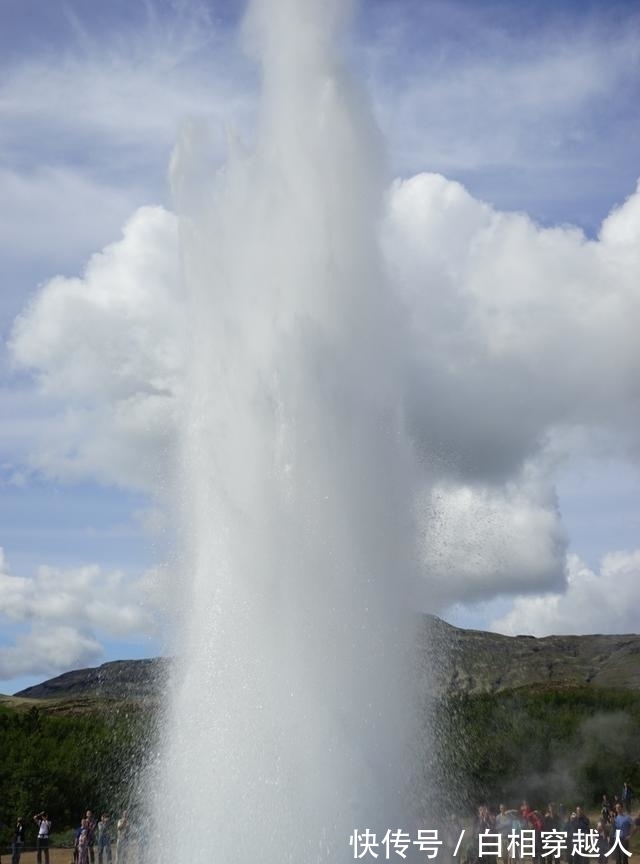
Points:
[(292, 713)]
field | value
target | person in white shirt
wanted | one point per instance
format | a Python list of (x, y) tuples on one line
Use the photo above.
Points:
[(42, 843)]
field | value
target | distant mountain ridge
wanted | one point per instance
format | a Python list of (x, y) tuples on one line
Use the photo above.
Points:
[(118, 679), (475, 661), (452, 660)]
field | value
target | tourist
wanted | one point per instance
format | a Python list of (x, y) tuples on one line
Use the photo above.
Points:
[(603, 843), (536, 821), (42, 841), (503, 827), (623, 828), (104, 839), (570, 829), (582, 824), (81, 831), (91, 834), (519, 823), (484, 824), (82, 843), (551, 818), (627, 796), (17, 841)]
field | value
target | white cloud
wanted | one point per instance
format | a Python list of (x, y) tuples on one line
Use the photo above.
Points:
[(593, 602), (49, 651), (107, 348), (68, 613), (107, 602), (523, 339), (621, 229), (519, 330), (524, 342)]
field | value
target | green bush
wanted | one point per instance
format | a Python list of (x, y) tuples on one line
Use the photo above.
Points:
[(66, 764)]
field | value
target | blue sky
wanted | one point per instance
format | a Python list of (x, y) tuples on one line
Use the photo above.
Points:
[(512, 132)]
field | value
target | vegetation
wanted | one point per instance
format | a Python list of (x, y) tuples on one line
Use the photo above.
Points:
[(569, 745), (65, 763)]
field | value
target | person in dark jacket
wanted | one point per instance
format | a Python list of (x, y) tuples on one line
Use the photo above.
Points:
[(582, 824), (17, 841)]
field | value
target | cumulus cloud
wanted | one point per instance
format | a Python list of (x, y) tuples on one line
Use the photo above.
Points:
[(107, 348), (523, 340), (593, 602), (67, 613), (518, 328)]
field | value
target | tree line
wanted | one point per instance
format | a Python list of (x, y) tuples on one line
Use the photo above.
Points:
[(68, 763), (562, 745)]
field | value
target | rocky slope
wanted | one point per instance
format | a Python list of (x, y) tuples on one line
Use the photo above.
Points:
[(450, 660), (472, 661), (120, 679)]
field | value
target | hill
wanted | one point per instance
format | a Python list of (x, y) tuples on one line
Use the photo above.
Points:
[(119, 679), (474, 662), (452, 661)]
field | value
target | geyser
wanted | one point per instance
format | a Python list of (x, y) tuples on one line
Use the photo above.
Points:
[(292, 711)]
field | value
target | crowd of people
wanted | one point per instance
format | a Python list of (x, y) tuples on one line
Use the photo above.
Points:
[(91, 834), (553, 833), (509, 835)]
